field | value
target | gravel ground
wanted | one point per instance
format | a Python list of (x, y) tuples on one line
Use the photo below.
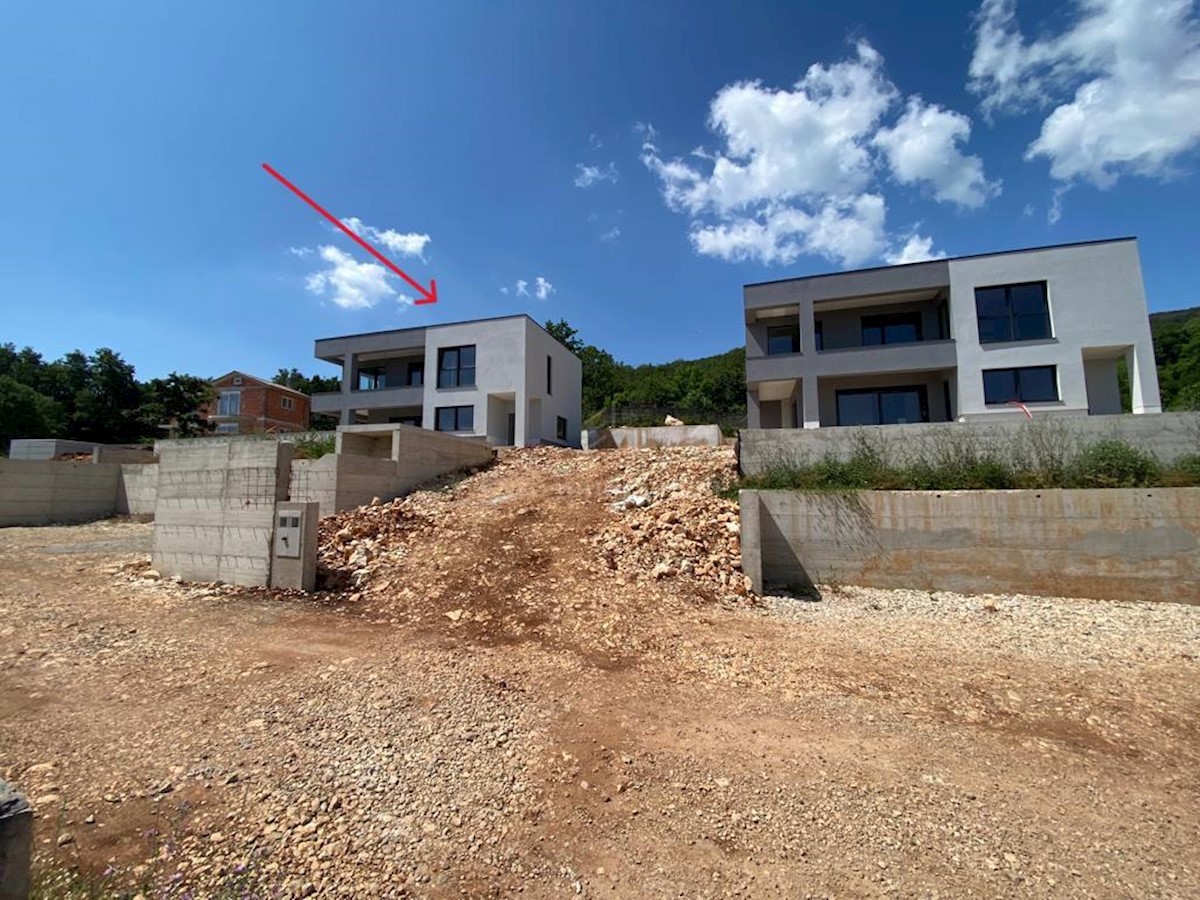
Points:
[(499, 698)]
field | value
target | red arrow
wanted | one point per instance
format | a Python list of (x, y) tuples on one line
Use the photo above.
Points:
[(427, 295)]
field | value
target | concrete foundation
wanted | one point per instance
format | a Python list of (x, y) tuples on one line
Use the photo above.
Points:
[(45, 492), (656, 436), (1121, 544), (215, 508), (137, 489), (1167, 435)]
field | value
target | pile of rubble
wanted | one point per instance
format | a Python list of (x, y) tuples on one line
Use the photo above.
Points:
[(670, 521)]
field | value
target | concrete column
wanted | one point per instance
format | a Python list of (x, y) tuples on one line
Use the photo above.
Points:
[(1143, 379), (810, 402), (753, 419), (346, 416), (349, 366), (808, 329)]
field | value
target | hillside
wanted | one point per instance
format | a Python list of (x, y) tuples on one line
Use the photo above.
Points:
[(1177, 350)]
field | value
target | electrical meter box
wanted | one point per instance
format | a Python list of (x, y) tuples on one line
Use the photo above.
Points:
[(294, 546)]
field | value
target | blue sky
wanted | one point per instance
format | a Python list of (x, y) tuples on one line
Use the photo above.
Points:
[(624, 165)]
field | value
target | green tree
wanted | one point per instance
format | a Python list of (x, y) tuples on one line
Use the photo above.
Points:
[(175, 401), (24, 413), (316, 384)]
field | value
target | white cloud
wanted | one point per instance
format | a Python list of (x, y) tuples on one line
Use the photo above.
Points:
[(360, 285), (595, 142), (400, 244), (798, 171), (611, 235), (589, 175), (348, 283), (1125, 76), (646, 130), (915, 249), (541, 288), (504, 290), (1028, 210), (923, 146)]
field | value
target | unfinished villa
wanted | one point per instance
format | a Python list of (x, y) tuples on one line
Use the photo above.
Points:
[(506, 380), (976, 337)]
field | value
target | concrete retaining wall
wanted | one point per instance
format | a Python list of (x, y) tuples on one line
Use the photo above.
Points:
[(122, 455), (656, 436), (44, 492), (1167, 435), (1127, 544), (137, 489), (215, 508)]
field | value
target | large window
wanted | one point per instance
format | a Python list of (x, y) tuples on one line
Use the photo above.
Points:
[(783, 338), (883, 406), (415, 374), (229, 403), (456, 366), (1013, 312), (560, 428), (372, 378), (455, 418), (894, 328), (1030, 384)]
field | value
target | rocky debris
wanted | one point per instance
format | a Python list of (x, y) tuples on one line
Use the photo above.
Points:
[(671, 523)]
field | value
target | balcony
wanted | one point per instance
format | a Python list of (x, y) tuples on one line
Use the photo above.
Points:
[(376, 399)]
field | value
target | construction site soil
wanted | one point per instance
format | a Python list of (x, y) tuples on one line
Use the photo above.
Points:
[(548, 678)]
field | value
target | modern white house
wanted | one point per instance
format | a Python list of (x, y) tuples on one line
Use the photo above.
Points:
[(1022, 332), (505, 379)]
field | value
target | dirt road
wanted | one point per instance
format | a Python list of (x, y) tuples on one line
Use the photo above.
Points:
[(509, 694)]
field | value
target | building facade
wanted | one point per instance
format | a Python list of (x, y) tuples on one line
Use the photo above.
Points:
[(505, 379), (244, 404), (1016, 333)]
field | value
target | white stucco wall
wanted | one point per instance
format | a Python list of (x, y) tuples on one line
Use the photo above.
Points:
[(566, 396), (1096, 300)]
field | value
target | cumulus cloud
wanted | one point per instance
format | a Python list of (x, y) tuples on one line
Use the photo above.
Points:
[(589, 175), (916, 249), (348, 283), (522, 287), (798, 170), (397, 243), (1123, 81), (351, 284), (611, 235), (923, 146)]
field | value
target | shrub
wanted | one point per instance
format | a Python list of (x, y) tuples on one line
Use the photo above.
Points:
[(1184, 472), (1111, 464), (314, 446)]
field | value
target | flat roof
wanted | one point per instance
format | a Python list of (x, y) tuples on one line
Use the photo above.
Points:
[(340, 337), (943, 259)]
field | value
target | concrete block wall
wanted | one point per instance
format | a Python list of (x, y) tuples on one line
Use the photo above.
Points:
[(215, 507), (47, 448), (656, 436), (137, 489), (45, 492), (315, 481), (423, 455), (1167, 435), (1121, 544), (119, 455)]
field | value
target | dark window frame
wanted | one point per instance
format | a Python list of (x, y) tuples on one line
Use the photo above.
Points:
[(417, 369), (921, 391), (549, 375), (560, 428), (884, 321), (452, 373), (819, 335), (1020, 393), (792, 332), (458, 414), (376, 378), (1011, 321)]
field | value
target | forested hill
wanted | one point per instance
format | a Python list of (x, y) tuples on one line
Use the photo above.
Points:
[(1177, 350)]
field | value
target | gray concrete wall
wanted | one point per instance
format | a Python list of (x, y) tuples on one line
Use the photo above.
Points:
[(46, 448), (315, 481), (1167, 435), (137, 489), (656, 436), (294, 437), (565, 396), (1107, 544), (120, 455), (215, 508), (44, 492)]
